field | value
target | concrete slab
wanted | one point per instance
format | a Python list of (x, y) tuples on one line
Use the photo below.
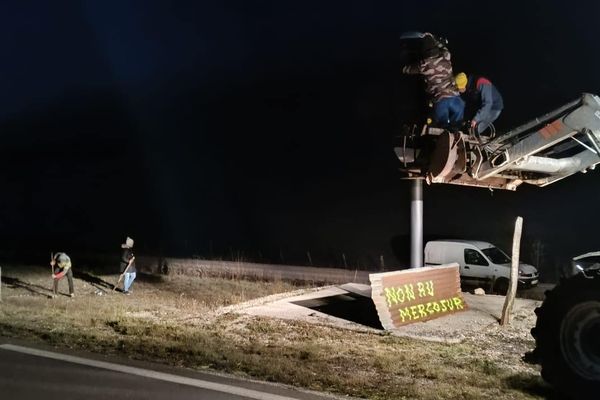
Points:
[(483, 312), (286, 308), (357, 288)]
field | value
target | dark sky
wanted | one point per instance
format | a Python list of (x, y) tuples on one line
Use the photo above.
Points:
[(245, 127)]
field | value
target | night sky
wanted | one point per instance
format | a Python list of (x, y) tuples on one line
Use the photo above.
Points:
[(263, 130)]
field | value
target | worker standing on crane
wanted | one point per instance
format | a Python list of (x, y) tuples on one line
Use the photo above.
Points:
[(435, 66), (482, 97)]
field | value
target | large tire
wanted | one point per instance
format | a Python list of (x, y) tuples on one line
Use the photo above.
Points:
[(567, 335)]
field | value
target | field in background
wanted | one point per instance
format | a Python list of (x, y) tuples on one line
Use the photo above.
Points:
[(190, 322)]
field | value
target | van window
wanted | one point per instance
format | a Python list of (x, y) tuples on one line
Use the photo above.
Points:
[(473, 257), (496, 255)]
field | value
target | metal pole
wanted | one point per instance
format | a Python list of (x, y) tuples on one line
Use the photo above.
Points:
[(416, 224)]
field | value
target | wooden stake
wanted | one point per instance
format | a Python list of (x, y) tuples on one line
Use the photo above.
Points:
[(514, 274)]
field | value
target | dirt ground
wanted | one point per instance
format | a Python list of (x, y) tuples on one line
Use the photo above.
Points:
[(206, 323), (479, 325)]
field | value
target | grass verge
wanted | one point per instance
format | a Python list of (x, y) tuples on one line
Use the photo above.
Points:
[(176, 321)]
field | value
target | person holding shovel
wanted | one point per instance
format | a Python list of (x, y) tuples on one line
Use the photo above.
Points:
[(61, 266), (127, 264)]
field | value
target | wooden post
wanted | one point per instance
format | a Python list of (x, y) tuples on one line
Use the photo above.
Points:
[(344, 258), (309, 258), (514, 274)]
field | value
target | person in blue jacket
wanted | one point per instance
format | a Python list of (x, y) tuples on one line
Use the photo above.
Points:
[(482, 97)]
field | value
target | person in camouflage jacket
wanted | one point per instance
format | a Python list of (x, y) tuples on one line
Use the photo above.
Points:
[(436, 68)]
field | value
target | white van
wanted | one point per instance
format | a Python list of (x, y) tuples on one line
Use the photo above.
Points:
[(480, 263)]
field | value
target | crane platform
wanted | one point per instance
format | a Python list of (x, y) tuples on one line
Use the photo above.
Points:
[(540, 152)]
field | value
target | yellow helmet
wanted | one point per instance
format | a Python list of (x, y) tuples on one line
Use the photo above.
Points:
[(461, 80)]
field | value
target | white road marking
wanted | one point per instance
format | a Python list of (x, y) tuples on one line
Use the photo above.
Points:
[(218, 387)]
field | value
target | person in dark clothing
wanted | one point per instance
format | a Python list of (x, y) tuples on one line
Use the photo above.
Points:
[(435, 66), (482, 97), (127, 265), (61, 266)]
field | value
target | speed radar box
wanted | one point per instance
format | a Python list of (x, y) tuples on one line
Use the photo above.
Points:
[(416, 295)]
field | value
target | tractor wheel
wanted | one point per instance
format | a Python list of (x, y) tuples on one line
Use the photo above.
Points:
[(567, 336)]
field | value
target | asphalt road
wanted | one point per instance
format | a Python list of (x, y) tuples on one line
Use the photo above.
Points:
[(47, 375)]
